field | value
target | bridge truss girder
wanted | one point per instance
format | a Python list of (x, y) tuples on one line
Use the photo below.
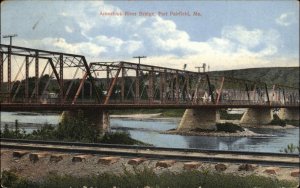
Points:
[(127, 83), (57, 62), (173, 86)]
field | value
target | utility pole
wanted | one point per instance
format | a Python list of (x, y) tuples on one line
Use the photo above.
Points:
[(198, 68), (203, 67), (140, 57), (10, 37)]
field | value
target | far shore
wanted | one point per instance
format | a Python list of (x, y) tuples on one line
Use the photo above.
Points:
[(142, 116)]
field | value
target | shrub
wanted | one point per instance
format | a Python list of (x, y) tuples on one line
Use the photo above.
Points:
[(10, 179), (229, 127), (78, 128), (277, 121)]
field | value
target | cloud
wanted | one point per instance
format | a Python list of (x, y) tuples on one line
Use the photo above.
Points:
[(68, 29), (247, 38), (60, 44), (87, 33), (286, 19)]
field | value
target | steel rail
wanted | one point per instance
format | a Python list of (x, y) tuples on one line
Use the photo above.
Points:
[(290, 160), (144, 147)]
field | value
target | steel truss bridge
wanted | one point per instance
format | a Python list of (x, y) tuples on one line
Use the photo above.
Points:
[(33, 79)]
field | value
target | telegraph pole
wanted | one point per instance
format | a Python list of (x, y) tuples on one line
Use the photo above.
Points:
[(198, 68), (10, 37), (202, 67), (140, 57)]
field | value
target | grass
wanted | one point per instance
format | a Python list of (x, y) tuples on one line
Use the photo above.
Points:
[(147, 177)]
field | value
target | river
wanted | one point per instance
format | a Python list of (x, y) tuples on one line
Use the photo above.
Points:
[(149, 131)]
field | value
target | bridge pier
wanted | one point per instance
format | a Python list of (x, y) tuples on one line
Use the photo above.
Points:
[(257, 116), (289, 114), (198, 118), (98, 117)]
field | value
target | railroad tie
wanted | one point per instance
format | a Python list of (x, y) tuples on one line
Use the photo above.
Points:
[(136, 161), (108, 160), (19, 154), (34, 157), (56, 157), (191, 165), (295, 173), (80, 158), (271, 170), (165, 163)]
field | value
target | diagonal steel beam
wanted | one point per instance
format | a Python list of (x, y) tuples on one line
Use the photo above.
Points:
[(90, 77), (109, 92), (220, 90)]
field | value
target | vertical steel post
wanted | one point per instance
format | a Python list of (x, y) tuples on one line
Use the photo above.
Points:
[(1, 71), (172, 87), (61, 76), (161, 86), (151, 85), (165, 85), (267, 93), (36, 75), (253, 93), (137, 85), (177, 87), (273, 94), (27, 78), (9, 74), (283, 92), (248, 94), (107, 78), (187, 87), (211, 93), (123, 84)]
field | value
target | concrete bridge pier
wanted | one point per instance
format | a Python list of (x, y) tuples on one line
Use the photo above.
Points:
[(204, 119), (98, 117), (258, 116), (289, 114)]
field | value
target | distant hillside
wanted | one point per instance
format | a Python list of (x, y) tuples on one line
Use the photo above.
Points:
[(281, 75)]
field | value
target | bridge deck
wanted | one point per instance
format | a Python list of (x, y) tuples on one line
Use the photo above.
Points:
[(60, 107)]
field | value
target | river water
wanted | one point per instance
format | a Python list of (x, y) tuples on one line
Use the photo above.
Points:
[(149, 131)]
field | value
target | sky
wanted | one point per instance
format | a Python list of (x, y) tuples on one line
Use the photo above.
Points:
[(223, 34)]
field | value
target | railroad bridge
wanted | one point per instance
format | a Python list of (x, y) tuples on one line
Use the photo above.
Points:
[(34, 79)]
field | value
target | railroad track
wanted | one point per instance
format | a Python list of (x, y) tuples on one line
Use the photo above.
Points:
[(181, 154)]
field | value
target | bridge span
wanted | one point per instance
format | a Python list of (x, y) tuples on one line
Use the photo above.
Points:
[(34, 79)]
